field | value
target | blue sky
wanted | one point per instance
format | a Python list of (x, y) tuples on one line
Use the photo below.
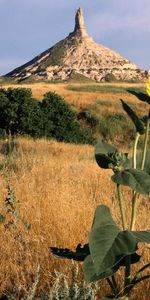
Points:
[(28, 27)]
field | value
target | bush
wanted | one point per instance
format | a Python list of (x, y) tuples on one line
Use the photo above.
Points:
[(20, 113), (59, 121), (110, 78), (53, 117)]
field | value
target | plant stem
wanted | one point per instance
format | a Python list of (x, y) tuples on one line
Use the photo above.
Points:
[(133, 212), (127, 275), (145, 144), (123, 218), (111, 285), (140, 271), (115, 285), (134, 282), (135, 149)]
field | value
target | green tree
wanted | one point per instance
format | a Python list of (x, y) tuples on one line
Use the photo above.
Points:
[(59, 121), (20, 112)]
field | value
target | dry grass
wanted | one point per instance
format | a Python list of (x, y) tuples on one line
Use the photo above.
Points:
[(82, 100), (58, 187)]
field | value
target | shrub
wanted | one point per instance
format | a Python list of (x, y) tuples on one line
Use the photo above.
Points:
[(59, 121), (52, 118), (110, 78), (20, 112)]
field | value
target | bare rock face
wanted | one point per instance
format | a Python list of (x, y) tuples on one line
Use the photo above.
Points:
[(79, 24), (78, 53)]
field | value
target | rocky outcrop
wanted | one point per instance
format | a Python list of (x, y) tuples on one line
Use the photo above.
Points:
[(78, 53)]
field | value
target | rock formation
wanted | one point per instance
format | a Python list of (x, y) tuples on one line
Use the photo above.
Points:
[(78, 53)]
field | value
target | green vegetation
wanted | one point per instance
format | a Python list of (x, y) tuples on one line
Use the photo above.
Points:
[(112, 246), (76, 77), (103, 89), (59, 121), (116, 126), (52, 118), (57, 55)]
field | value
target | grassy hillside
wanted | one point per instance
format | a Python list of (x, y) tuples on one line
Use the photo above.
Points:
[(57, 187), (99, 107)]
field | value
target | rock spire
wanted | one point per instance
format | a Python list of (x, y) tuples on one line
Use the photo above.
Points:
[(80, 28)]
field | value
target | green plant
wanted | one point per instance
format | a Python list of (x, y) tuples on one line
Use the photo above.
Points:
[(60, 121), (21, 114), (111, 247)]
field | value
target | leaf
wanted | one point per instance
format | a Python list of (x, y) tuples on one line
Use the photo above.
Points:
[(108, 244), (135, 119), (90, 272), (103, 154), (138, 180), (142, 236), (79, 254), (108, 157), (134, 259)]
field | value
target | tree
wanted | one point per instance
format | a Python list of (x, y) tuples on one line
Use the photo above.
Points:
[(20, 112), (59, 121)]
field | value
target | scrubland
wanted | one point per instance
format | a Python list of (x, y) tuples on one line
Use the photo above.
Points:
[(57, 188)]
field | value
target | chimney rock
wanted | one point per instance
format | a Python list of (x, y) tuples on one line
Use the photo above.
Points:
[(79, 24)]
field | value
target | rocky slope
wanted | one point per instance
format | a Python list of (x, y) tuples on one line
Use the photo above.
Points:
[(78, 53)]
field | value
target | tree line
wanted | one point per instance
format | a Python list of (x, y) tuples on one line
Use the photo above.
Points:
[(22, 114)]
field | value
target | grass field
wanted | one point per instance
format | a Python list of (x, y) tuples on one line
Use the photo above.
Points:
[(57, 188)]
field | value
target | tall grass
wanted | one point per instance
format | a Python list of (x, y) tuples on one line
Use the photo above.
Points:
[(57, 188)]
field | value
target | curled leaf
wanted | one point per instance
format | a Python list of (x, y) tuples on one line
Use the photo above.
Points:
[(135, 119)]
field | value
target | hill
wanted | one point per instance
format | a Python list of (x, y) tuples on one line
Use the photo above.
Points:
[(78, 54)]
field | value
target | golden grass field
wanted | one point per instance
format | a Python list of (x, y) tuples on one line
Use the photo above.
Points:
[(81, 100), (58, 187)]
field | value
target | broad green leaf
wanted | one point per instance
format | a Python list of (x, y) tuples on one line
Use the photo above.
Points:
[(135, 119), (142, 236), (108, 244), (103, 154), (90, 272), (103, 216), (138, 180)]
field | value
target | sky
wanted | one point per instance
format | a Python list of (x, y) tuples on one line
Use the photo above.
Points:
[(29, 27)]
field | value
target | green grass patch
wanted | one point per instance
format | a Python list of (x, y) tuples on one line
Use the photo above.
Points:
[(116, 125), (104, 89)]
